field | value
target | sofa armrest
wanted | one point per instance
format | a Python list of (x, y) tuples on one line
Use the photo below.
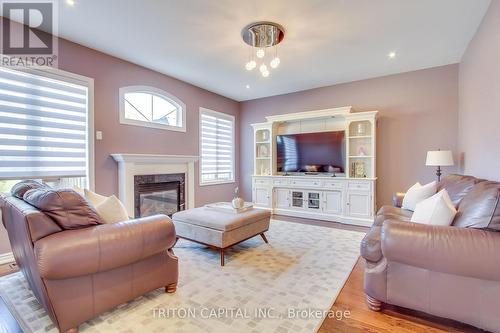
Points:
[(459, 251), (104, 247), (397, 199)]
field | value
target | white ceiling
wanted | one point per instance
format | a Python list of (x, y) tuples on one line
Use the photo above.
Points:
[(326, 41)]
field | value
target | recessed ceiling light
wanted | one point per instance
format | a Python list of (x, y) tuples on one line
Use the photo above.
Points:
[(70, 2), (247, 86), (392, 55)]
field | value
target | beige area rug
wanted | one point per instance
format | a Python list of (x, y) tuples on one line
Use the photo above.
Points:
[(274, 287)]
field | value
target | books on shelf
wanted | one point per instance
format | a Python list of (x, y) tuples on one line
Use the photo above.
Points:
[(228, 207)]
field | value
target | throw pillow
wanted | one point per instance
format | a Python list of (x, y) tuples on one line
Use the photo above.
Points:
[(418, 193), (112, 210), (66, 207), (436, 210), (79, 190), (24, 186), (94, 198)]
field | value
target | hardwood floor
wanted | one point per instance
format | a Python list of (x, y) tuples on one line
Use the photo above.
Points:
[(351, 299), (361, 319)]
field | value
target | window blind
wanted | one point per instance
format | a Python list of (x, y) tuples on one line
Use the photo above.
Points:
[(43, 126), (217, 147)]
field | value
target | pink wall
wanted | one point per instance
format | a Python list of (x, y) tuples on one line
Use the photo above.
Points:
[(109, 75), (479, 111), (418, 112)]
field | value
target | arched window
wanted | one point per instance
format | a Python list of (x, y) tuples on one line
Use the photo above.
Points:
[(151, 107)]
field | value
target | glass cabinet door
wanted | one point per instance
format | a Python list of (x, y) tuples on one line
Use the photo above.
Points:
[(297, 199), (313, 200)]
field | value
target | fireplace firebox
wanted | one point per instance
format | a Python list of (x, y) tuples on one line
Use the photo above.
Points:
[(159, 194)]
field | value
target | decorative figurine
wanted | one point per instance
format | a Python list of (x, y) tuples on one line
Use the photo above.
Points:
[(237, 202)]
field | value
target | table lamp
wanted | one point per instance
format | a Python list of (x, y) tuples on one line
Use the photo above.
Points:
[(439, 158)]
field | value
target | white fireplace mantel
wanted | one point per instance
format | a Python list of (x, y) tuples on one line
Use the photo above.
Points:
[(130, 165)]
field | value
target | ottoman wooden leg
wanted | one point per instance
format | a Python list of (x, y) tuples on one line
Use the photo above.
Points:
[(264, 238), (222, 257)]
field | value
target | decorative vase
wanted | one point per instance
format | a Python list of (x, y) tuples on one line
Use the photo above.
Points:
[(237, 202)]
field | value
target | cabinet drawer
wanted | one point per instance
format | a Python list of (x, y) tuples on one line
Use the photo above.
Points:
[(334, 185), (281, 182), (262, 182), (360, 186), (306, 182)]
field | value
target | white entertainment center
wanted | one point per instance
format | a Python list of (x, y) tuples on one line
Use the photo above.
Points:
[(349, 198)]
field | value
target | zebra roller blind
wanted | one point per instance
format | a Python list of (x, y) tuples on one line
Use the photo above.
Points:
[(43, 126), (217, 147)]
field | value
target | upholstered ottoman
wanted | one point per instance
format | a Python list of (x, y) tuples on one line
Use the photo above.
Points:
[(219, 229)]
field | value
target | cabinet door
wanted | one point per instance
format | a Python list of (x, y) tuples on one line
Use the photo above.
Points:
[(282, 198), (332, 202), (359, 204), (261, 197), (298, 199), (314, 201)]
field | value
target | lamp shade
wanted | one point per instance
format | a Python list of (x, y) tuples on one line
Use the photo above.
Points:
[(439, 158)]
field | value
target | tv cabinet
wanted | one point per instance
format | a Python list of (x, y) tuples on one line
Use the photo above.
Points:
[(349, 199)]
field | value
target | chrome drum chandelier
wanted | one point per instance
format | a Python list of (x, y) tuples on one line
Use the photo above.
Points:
[(263, 38)]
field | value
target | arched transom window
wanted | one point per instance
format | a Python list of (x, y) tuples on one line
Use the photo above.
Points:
[(151, 107)]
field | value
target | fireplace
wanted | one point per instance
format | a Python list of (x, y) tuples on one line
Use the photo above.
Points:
[(159, 194)]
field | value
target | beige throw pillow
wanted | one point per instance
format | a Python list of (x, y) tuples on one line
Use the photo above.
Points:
[(112, 210), (436, 210), (418, 193), (94, 198)]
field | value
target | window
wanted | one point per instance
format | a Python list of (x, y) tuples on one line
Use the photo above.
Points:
[(151, 107), (45, 121), (217, 147)]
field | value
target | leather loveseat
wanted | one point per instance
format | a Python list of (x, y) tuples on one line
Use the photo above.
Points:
[(451, 272), (78, 267)]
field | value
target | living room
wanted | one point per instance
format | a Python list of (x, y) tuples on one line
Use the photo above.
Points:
[(230, 166)]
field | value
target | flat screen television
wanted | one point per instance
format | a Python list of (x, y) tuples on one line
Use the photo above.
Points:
[(311, 152)]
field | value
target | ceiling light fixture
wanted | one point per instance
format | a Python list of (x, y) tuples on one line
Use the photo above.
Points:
[(392, 55), (261, 36), (247, 86), (70, 2)]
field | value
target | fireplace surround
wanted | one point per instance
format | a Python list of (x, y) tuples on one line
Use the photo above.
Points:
[(131, 165)]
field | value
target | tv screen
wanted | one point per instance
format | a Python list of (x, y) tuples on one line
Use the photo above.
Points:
[(311, 152)]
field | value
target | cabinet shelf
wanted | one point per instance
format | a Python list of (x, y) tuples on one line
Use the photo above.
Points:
[(261, 142), (360, 156), (360, 137), (262, 158)]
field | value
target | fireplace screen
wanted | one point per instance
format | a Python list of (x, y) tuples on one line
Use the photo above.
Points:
[(159, 194)]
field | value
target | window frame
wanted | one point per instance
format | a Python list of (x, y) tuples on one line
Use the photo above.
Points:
[(233, 148), (154, 91), (62, 75)]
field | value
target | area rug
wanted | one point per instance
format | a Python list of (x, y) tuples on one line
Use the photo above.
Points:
[(288, 285)]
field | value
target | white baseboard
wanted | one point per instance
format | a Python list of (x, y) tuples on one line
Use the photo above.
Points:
[(6, 258)]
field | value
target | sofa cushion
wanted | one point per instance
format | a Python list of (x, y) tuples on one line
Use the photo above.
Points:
[(371, 249), (24, 186), (395, 211), (457, 186), (480, 208), (66, 207)]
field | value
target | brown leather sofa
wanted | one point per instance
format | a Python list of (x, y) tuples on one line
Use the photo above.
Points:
[(451, 272), (79, 271)]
